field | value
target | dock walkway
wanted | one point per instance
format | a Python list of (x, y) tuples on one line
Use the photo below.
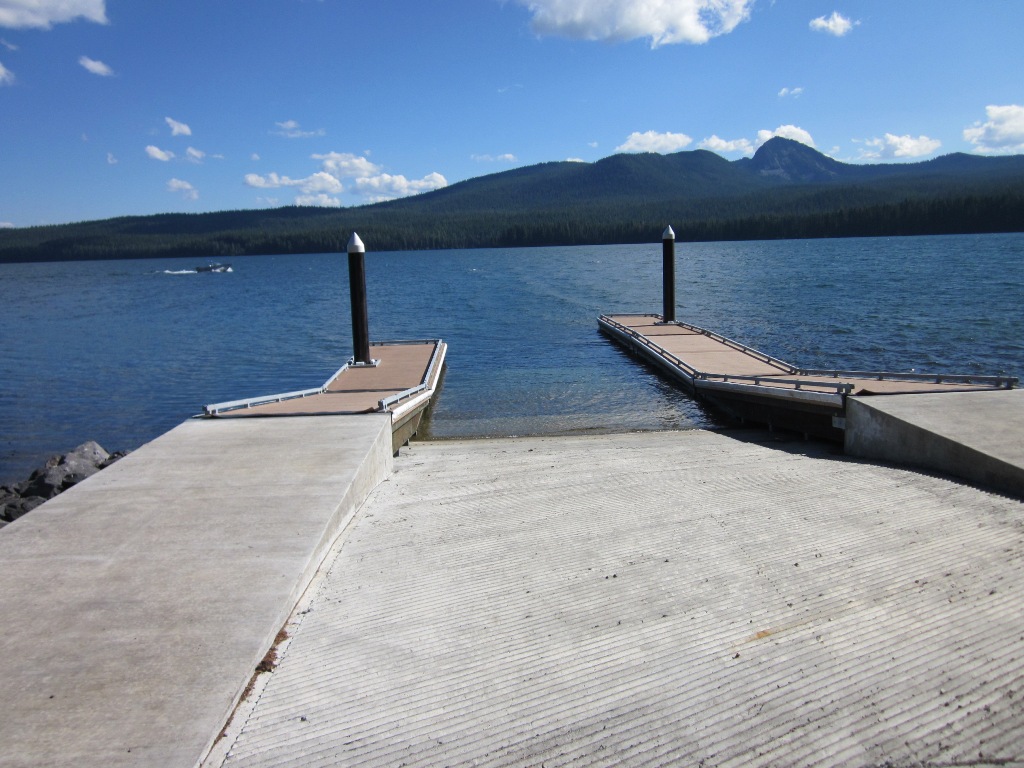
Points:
[(401, 381), (711, 361)]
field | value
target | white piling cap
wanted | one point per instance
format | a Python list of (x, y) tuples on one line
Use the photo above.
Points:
[(668, 234), (355, 245)]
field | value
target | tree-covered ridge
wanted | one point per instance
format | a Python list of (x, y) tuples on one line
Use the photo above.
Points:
[(787, 190)]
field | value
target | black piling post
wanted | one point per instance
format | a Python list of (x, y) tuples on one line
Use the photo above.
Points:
[(668, 275), (357, 291)]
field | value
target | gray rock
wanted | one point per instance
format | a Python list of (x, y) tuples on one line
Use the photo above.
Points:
[(19, 507), (61, 472), (71, 470), (7, 493), (90, 452), (57, 475)]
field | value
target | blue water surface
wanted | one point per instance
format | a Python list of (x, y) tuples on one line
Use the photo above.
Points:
[(121, 351)]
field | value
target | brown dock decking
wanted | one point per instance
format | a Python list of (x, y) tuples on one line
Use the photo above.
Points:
[(401, 382), (752, 385)]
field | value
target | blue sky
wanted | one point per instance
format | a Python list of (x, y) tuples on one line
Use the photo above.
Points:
[(123, 107)]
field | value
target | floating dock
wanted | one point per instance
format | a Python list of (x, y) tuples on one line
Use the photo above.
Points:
[(753, 386), (401, 380)]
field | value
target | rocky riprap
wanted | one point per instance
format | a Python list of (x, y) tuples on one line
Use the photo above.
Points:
[(57, 475)]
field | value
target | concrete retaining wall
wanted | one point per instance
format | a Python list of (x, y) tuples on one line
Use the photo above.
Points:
[(976, 436)]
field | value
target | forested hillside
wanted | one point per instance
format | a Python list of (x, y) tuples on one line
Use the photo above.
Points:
[(787, 190)]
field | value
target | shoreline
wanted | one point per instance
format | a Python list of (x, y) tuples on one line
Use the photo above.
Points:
[(59, 473)]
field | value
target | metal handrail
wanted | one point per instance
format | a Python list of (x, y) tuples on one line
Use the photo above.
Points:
[(251, 402), (386, 403), (336, 374), (398, 342), (756, 354), (233, 405), (1008, 382), (843, 389), (659, 350)]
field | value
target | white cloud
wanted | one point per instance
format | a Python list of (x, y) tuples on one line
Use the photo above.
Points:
[(663, 21), (786, 132), (892, 146), (111, 160), (96, 67), (715, 144), (651, 141), (371, 182), (575, 160), (254, 156), (187, 190), (508, 157), (6, 76), (321, 182), (321, 201), (43, 14), (270, 181), (313, 190), (7, 45), (194, 155), (836, 24), (291, 130), (388, 187), (791, 92), (158, 154), (1002, 133), (177, 129), (6, 225), (345, 165)]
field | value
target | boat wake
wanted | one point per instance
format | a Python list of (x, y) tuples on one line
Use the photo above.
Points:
[(198, 270)]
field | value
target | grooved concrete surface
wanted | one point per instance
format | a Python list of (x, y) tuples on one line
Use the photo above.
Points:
[(136, 605), (655, 599)]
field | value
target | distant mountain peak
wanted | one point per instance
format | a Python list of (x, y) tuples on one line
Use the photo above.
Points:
[(790, 160)]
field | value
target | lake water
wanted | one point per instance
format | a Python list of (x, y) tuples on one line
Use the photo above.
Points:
[(121, 351)]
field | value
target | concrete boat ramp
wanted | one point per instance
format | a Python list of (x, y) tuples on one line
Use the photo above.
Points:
[(687, 598)]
